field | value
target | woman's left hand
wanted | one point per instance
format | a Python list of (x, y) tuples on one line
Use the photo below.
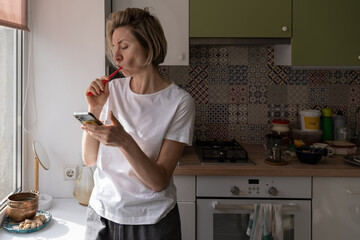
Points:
[(110, 135)]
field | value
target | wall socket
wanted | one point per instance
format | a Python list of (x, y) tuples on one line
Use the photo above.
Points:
[(70, 172)]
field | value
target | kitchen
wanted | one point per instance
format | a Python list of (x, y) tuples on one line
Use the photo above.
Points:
[(238, 90)]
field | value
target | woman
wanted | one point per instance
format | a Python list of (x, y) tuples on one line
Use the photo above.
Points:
[(148, 121)]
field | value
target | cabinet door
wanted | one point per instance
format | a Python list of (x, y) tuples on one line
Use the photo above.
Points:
[(240, 18), (187, 212), (336, 208), (326, 33), (174, 18)]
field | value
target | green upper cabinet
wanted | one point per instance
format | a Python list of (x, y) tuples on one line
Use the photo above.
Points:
[(326, 33), (240, 18)]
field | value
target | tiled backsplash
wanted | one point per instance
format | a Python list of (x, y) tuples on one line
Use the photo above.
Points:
[(238, 90)]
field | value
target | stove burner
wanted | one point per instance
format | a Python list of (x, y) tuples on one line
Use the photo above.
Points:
[(222, 152)]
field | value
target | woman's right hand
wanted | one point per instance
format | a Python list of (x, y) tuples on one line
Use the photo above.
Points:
[(99, 92)]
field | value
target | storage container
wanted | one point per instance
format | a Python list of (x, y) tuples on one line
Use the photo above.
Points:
[(310, 120)]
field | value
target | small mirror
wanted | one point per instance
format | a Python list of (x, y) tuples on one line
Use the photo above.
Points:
[(42, 158), (41, 155)]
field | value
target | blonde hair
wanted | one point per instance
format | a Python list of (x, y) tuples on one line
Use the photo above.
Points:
[(145, 27)]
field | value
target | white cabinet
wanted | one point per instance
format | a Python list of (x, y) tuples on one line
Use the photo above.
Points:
[(186, 201), (336, 208), (174, 17)]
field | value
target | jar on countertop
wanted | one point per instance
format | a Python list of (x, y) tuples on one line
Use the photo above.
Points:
[(281, 127)]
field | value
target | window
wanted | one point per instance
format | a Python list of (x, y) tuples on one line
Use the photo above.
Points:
[(10, 112)]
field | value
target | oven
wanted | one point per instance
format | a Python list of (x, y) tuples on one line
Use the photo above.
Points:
[(224, 205)]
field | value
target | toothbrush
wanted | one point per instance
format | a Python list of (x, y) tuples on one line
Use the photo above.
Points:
[(106, 81)]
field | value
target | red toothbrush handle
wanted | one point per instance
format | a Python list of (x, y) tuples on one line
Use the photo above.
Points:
[(106, 81)]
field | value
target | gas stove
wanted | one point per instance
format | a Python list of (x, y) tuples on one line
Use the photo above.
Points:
[(222, 152)]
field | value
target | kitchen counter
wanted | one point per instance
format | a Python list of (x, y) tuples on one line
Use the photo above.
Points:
[(68, 222), (333, 166)]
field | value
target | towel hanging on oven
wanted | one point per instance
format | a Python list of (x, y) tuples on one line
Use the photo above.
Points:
[(265, 222)]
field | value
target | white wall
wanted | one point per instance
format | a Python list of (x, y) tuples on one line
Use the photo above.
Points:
[(68, 53)]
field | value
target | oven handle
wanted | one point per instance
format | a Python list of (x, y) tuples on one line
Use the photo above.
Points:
[(250, 207)]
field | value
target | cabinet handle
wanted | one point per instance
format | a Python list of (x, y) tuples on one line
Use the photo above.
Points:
[(248, 207), (181, 57), (351, 192), (284, 28)]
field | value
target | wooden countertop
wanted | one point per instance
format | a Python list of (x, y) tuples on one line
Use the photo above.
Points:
[(333, 166)]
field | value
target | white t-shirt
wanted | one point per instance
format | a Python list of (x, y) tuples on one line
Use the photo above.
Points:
[(119, 195)]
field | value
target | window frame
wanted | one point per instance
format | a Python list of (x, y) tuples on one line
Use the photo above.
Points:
[(18, 111)]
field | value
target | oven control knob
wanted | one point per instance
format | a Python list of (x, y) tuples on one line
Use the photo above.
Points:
[(273, 191), (235, 190)]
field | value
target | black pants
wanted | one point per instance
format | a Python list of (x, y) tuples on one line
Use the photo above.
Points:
[(99, 228)]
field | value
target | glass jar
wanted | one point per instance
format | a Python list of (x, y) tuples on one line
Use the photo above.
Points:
[(84, 185), (281, 128)]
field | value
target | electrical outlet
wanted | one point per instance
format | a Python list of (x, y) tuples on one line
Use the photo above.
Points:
[(70, 172)]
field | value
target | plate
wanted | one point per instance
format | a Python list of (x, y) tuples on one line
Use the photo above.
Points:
[(12, 226), (353, 161)]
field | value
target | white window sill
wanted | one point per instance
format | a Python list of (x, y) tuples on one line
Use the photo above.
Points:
[(68, 222)]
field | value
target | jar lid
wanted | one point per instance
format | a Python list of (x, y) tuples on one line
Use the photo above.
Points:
[(326, 112), (280, 121)]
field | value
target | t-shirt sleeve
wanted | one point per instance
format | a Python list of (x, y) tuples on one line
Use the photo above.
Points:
[(181, 128)]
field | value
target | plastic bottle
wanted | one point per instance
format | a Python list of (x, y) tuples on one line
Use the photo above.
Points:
[(339, 124), (326, 124)]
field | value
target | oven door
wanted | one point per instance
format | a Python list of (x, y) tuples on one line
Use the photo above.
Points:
[(228, 219)]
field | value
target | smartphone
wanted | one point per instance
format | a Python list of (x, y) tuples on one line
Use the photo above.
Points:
[(87, 117)]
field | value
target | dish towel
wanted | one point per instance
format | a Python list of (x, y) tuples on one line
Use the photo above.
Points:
[(265, 222)]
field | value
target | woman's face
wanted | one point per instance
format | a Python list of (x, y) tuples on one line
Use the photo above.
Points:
[(128, 52)]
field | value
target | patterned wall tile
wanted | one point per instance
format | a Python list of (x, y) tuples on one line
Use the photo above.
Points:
[(238, 113), (238, 94), (218, 93), (201, 131), (238, 132), (318, 77), (276, 111), (238, 74), (338, 77), (257, 55), (277, 94), (297, 94), (257, 94), (293, 115), (354, 94), (354, 77), (202, 114), (218, 113), (297, 77), (218, 132), (270, 55), (179, 74), (218, 74), (198, 55), (277, 74), (351, 117), (257, 132), (258, 113), (238, 55), (238, 91), (257, 74), (218, 55), (317, 95), (198, 85), (338, 94)]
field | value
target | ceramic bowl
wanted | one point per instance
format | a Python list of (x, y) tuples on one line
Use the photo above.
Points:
[(23, 205), (308, 154)]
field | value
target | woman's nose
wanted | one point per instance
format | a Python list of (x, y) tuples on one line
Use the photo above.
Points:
[(117, 55)]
